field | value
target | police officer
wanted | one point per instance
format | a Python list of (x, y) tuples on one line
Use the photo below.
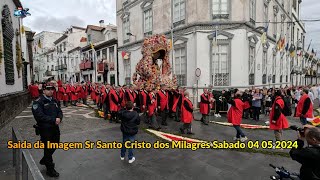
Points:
[(48, 116)]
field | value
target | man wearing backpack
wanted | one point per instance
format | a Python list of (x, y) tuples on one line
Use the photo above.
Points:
[(278, 120)]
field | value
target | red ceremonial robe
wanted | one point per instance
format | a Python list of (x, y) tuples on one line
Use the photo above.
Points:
[(163, 95), (74, 93), (105, 94), (97, 95), (34, 91), (78, 90), (205, 104), (176, 97), (235, 112), (300, 105), (130, 96), (281, 122), (122, 97), (84, 92), (212, 105), (114, 101), (143, 100), (186, 115), (93, 93), (152, 105), (64, 93)]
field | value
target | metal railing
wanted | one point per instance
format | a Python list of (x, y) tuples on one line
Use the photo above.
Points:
[(24, 164)]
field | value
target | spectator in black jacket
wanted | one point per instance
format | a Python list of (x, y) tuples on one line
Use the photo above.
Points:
[(308, 157), (129, 126)]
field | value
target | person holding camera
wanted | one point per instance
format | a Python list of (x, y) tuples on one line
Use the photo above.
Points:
[(308, 157), (304, 108), (48, 116), (278, 121)]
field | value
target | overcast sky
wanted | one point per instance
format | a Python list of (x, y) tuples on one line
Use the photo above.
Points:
[(58, 15)]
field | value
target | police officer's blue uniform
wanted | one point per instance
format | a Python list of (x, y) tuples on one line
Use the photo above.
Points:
[(45, 110)]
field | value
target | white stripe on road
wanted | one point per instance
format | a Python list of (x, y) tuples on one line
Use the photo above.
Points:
[(18, 117)]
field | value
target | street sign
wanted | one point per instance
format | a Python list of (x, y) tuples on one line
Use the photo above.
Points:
[(198, 72)]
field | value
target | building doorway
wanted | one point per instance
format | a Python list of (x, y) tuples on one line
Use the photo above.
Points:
[(112, 79)]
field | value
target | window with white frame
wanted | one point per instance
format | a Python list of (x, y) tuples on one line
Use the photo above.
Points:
[(220, 65), (252, 64), (147, 17), (275, 25), (126, 29), (104, 53), (220, 8), (265, 62), (111, 54), (127, 71), (99, 55), (252, 10), (179, 8), (266, 13), (181, 66), (282, 25)]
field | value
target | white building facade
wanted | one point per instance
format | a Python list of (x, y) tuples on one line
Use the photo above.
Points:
[(68, 41), (101, 64), (14, 62), (43, 46), (235, 57), (14, 68)]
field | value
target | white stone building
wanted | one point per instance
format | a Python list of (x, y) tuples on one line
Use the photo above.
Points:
[(14, 62), (42, 47), (104, 55), (68, 41), (236, 57)]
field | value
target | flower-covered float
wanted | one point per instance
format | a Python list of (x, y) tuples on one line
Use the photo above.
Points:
[(154, 68)]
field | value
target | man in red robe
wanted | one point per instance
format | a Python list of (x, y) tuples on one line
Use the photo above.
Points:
[(162, 103), (84, 93), (122, 92), (304, 107), (105, 101), (93, 92), (74, 94), (114, 102), (235, 115), (152, 108), (143, 99), (64, 94), (34, 91), (186, 114), (205, 102), (278, 121)]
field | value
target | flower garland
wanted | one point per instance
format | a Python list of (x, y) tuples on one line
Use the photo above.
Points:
[(19, 58)]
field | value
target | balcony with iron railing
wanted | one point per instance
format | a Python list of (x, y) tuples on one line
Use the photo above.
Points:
[(50, 73), (62, 67), (86, 65)]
